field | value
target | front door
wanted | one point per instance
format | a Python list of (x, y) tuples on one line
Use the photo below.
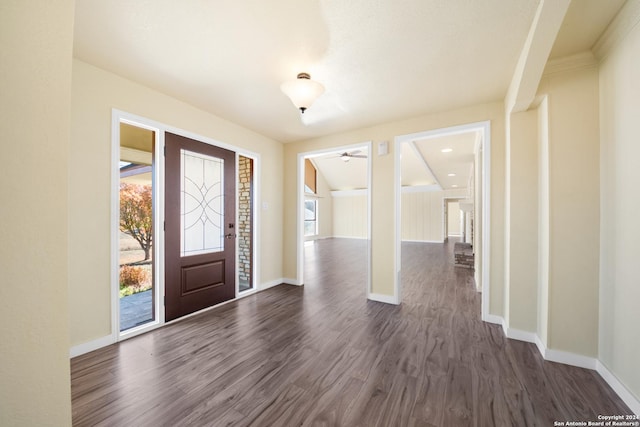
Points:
[(199, 225)]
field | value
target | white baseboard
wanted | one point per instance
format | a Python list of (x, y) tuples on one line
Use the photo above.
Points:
[(623, 392), (314, 238), (492, 318), (289, 281), (542, 348), (349, 237), (520, 335), (387, 299), (271, 284), (573, 359), (421, 241), (570, 359), (551, 355), (90, 346)]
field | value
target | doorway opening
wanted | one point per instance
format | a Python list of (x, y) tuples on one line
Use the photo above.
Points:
[(458, 220), (137, 261), (334, 203), (433, 170)]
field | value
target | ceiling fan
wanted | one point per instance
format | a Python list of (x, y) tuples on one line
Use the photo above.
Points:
[(348, 155)]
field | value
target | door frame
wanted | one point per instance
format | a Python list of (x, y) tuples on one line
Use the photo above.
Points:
[(300, 206), (118, 116), (484, 128), (158, 218)]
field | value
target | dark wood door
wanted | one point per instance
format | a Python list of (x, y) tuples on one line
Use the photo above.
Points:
[(200, 196)]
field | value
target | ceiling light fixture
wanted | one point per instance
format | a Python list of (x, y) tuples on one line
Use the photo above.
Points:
[(451, 174), (447, 150), (454, 185), (302, 91), (345, 158)]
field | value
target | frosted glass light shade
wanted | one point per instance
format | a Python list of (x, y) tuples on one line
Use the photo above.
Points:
[(303, 91)]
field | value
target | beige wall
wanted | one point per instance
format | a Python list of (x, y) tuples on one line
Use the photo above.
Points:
[(574, 216), (382, 190), (543, 221), (350, 216), (552, 214), (619, 348), (35, 65), (521, 252), (478, 194), (94, 93)]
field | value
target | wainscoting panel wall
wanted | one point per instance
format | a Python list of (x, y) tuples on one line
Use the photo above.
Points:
[(422, 214), (350, 216)]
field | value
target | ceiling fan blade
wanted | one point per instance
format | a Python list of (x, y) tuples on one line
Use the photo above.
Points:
[(348, 154)]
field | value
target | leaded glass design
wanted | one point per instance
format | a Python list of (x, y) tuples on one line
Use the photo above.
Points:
[(201, 204)]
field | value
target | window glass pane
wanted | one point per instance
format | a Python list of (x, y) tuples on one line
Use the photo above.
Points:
[(309, 228), (201, 204), (310, 209), (310, 217)]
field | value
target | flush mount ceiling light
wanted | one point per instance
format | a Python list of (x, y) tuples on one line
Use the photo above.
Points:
[(447, 150), (451, 174), (302, 91)]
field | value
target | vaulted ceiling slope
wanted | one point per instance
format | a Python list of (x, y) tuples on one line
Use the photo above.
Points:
[(379, 61)]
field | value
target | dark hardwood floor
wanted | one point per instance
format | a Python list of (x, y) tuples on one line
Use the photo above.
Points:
[(323, 355)]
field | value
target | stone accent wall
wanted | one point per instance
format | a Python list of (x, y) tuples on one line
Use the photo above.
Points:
[(245, 206)]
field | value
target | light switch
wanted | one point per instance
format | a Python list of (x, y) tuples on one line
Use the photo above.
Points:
[(383, 148)]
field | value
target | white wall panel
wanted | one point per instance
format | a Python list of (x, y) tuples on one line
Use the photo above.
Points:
[(350, 216)]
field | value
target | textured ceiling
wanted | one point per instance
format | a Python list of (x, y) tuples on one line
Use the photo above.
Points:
[(379, 61), (459, 161), (340, 175), (136, 138)]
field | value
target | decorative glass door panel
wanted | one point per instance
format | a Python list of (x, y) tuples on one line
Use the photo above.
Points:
[(201, 204)]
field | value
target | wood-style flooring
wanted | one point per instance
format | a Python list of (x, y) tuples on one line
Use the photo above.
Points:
[(323, 355)]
